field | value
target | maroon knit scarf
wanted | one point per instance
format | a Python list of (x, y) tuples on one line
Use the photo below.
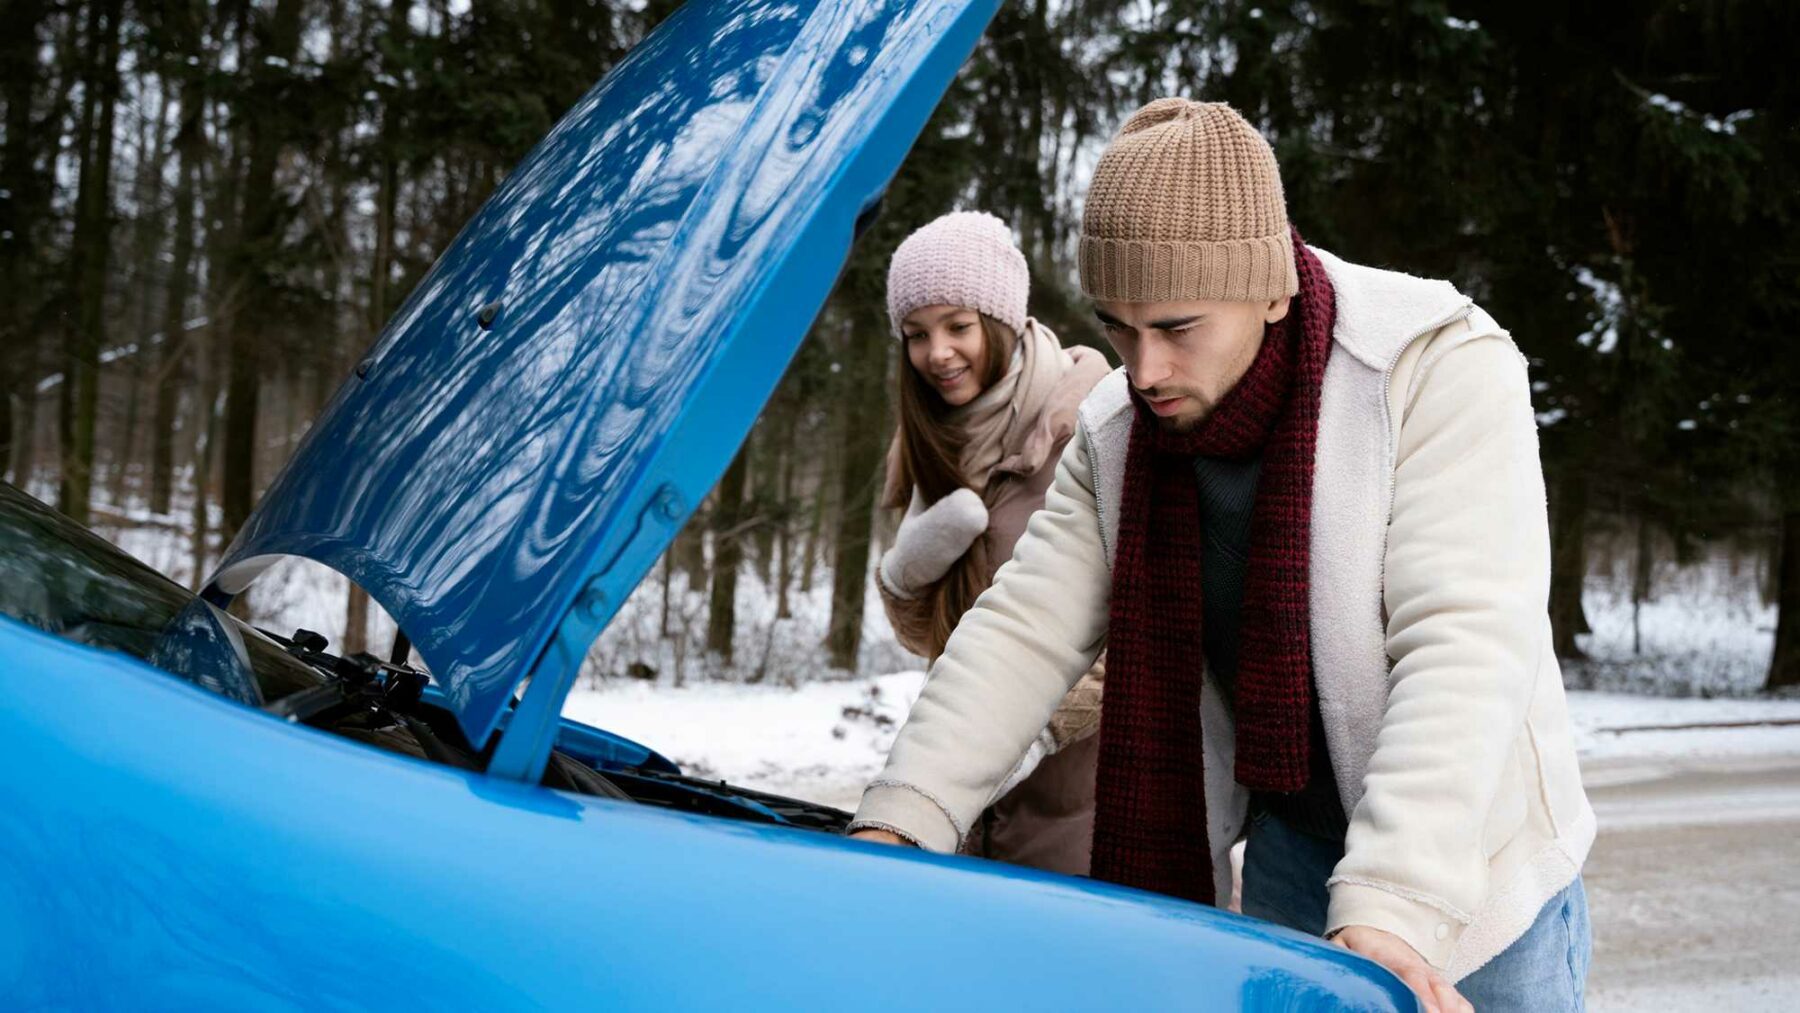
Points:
[(1150, 815)]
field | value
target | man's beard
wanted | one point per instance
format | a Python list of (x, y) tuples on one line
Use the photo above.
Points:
[(1184, 423)]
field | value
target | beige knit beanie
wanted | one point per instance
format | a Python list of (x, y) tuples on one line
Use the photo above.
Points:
[(1186, 204)]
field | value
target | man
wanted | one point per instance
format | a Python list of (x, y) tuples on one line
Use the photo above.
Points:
[(1306, 520)]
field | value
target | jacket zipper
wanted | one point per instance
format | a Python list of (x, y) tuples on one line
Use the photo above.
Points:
[(1099, 500)]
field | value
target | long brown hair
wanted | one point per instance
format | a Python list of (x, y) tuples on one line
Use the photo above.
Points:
[(930, 455)]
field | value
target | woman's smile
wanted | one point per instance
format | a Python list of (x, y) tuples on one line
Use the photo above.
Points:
[(949, 378)]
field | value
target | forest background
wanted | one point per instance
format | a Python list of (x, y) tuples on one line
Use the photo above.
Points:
[(208, 210)]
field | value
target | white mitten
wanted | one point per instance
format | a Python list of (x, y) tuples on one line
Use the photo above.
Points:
[(1040, 747), (931, 540)]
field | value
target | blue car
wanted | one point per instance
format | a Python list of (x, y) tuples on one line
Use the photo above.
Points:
[(198, 814)]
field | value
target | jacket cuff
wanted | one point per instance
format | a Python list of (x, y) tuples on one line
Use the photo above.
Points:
[(910, 812), (1426, 924)]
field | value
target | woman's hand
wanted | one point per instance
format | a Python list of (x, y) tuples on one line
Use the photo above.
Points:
[(931, 541)]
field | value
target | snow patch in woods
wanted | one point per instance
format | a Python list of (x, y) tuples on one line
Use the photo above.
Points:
[(1680, 110), (1705, 630), (786, 651), (1604, 335), (821, 742), (299, 594)]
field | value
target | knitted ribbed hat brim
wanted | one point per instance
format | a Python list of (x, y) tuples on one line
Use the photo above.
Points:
[(964, 258), (1142, 270), (1186, 204)]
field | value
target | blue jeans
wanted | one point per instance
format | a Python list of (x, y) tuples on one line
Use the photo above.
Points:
[(1543, 971)]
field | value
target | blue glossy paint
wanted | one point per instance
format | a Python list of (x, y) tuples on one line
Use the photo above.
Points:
[(166, 848), (656, 261), (593, 746)]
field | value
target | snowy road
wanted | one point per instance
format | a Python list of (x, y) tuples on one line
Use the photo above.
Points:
[(1694, 884)]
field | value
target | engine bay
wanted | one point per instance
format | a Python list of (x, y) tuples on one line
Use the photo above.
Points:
[(388, 705)]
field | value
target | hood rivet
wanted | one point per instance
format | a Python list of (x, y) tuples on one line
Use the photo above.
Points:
[(364, 367), (592, 603), (487, 314)]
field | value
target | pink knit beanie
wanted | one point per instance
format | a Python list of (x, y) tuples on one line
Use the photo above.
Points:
[(965, 258)]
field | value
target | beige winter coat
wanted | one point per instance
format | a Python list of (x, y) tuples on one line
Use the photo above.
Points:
[(1441, 697), (1046, 821)]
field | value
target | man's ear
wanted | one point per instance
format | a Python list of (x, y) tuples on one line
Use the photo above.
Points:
[(1277, 309)]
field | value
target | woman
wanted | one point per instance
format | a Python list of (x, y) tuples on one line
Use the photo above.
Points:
[(987, 402)]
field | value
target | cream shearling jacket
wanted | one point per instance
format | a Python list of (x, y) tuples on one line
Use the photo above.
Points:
[(1441, 696)]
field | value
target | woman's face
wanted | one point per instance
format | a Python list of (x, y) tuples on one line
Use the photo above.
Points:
[(945, 345)]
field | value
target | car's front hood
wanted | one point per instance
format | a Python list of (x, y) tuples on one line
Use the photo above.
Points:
[(579, 367)]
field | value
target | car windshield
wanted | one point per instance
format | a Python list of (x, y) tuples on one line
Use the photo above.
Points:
[(64, 579)]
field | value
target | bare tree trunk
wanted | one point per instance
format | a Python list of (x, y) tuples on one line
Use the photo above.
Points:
[(356, 621), (88, 257), (146, 240), (1568, 567), (728, 555), (865, 411), (388, 193), (23, 184), (765, 501), (690, 551), (1641, 564), (328, 363), (244, 298), (28, 205), (120, 480), (207, 411), (668, 578), (171, 358), (24, 433), (1784, 663), (147, 229), (784, 568), (809, 560)]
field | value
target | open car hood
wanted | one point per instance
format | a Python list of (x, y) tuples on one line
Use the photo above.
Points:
[(579, 367)]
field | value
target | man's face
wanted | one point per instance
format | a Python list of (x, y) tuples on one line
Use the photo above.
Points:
[(1183, 357)]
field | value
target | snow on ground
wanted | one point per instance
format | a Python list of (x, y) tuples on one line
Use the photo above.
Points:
[(1620, 726), (821, 742)]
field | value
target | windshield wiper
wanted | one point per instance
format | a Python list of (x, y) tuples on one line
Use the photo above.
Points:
[(357, 681)]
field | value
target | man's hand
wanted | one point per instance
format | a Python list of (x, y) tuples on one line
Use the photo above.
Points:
[(880, 837), (1393, 953)]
